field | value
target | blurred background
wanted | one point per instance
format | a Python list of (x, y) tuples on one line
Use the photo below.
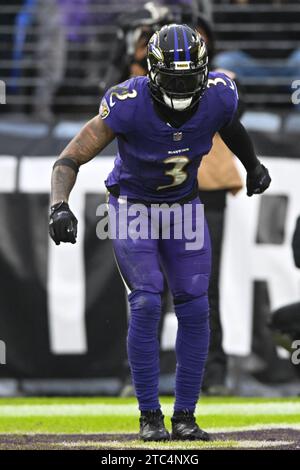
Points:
[(63, 310)]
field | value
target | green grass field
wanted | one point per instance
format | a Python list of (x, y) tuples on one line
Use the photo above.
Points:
[(113, 422)]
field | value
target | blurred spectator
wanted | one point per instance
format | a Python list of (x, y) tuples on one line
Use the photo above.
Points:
[(23, 19), (64, 32), (128, 52), (50, 57), (48, 51), (244, 62)]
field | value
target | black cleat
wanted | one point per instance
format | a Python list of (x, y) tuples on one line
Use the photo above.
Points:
[(185, 428), (152, 426)]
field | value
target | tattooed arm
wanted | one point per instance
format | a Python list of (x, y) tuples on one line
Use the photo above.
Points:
[(92, 138)]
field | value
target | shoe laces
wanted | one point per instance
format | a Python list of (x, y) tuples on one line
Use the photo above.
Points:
[(185, 416), (153, 417)]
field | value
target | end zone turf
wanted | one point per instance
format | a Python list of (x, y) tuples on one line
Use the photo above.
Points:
[(112, 423)]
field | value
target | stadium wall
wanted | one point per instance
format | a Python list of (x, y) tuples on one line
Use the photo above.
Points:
[(63, 312)]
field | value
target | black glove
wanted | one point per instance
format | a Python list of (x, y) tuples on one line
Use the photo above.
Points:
[(258, 180), (62, 223)]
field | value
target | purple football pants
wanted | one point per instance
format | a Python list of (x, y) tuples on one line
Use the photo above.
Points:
[(140, 262)]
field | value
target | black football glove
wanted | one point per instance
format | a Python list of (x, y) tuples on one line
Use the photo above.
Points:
[(258, 180), (62, 223)]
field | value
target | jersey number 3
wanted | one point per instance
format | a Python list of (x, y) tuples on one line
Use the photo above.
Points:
[(178, 173)]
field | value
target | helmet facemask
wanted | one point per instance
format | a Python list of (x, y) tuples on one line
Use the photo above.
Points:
[(179, 90)]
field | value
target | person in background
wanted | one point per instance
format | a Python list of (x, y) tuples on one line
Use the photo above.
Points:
[(281, 62)]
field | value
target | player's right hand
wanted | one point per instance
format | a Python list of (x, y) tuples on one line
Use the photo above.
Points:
[(62, 223), (258, 180)]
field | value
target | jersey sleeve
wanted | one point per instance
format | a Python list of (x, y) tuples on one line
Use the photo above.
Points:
[(118, 105), (227, 96)]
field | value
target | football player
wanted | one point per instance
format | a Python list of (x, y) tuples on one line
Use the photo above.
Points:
[(164, 124)]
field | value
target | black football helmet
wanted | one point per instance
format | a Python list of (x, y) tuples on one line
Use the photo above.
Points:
[(178, 66)]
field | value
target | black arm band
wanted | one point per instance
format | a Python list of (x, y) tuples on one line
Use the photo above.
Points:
[(67, 162), (237, 139)]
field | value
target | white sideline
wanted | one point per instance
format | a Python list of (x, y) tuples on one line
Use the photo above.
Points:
[(249, 444), (285, 408)]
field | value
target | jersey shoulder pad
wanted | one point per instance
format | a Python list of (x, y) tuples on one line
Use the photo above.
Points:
[(118, 105), (225, 90)]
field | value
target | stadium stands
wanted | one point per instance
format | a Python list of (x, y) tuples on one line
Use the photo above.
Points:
[(268, 33), (54, 54)]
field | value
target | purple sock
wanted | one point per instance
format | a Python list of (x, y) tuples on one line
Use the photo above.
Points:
[(191, 351), (143, 347)]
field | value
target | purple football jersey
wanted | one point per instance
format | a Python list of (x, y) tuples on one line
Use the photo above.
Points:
[(157, 162)]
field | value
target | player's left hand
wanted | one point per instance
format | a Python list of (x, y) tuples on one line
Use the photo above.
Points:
[(258, 180)]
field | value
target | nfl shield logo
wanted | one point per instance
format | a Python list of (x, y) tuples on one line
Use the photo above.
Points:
[(177, 136)]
